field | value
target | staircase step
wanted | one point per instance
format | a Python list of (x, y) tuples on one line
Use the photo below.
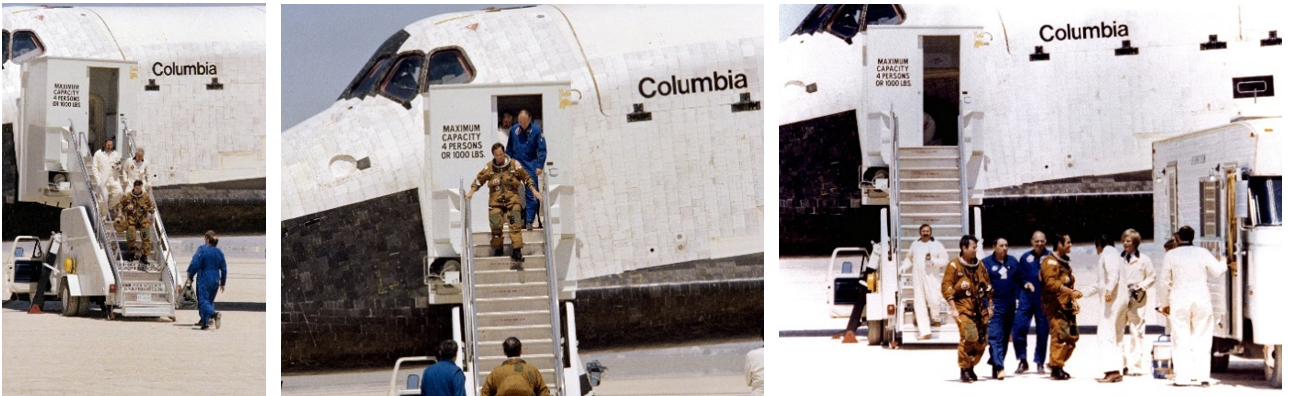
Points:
[(935, 222), (930, 196), (530, 248), (524, 333), (531, 346), (926, 151), (522, 318), (929, 184), (929, 207), (483, 238), (936, 173), (503, 290), (505, 263), (514, 304), (929, 162), (527, 276)]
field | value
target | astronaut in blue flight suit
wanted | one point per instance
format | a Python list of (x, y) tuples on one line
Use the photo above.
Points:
[(212, 273), (1031, 306), (1003, 277), (528, 146)]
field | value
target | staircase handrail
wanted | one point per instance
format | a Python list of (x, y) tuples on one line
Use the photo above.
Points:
[(467, 276), (553, 286)]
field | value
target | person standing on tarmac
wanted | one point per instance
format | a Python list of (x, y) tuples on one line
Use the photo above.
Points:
[(504, 179), (966, 286), (1060, 305), (1113, 315), (1139, 276), (1003, 278), (211, 270), (528, 146), (925, 257), (1030, 306), (1185, 299)]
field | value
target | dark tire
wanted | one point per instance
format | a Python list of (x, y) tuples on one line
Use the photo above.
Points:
[(1220, 362), (875, 331), (64, 295)]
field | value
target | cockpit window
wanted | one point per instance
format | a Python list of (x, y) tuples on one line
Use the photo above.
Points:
[(883, 14), (847, 20), (405, 77), (450, 67), (24, 42), (6, 46), (374, 74), (846, 23)]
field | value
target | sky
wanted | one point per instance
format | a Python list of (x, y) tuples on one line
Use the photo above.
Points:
[(790, 16), (324, 46)]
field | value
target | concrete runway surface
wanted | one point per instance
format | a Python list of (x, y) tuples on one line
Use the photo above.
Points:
[(54, 355), (691, 369), (819, 365)]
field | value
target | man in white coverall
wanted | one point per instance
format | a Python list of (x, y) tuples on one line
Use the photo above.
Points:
[(1110, 327), (1138, 274), (106, 173), (927, 257), (1185, 299)]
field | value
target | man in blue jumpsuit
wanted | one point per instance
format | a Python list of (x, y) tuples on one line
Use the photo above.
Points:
[(1031, 307), (528, 146), (444, 378), (1005, 280), (212, 273)]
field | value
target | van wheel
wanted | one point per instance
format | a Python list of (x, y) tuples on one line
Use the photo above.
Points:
[(1220, 362), (69, 304), (875, 331)]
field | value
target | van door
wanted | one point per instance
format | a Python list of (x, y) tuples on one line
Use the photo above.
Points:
[(462, 123)]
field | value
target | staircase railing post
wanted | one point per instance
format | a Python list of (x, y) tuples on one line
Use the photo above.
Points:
[(467, 276), (553, 284)]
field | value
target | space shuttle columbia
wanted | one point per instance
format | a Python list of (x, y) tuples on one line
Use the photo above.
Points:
[(1027, 108), (186, 84), (653, 185)]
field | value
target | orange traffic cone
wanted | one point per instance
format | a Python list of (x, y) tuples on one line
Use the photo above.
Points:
[(849, 338), (35, 309)]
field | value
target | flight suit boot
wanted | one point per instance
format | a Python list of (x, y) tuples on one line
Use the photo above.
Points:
[(964, 377)]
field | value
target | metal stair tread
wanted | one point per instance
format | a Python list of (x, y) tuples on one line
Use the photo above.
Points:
[(507, 313), (929, 191), (931, 202), (931, 215), (512, 298)]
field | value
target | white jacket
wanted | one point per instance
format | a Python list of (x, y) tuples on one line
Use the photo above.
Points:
[(1137, 272), (1109, 264), (103, 163), (136, 170), (1184, 279)]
